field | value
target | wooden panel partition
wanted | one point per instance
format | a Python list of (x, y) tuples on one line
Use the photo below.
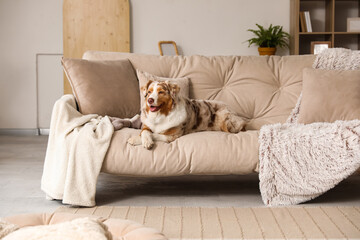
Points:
[(102, 25)]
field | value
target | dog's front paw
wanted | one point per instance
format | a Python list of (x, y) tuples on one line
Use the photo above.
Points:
[(147, 142), (136, 140)]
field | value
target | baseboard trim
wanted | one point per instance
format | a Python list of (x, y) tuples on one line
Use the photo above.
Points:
[(19, 131), (44, 131), (24, 131)]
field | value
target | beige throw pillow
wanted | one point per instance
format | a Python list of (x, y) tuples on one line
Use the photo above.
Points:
[(183, 82), (104, 87), (330, 95)]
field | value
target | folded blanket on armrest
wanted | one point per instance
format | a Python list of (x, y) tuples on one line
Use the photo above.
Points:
[(76, 149), (300, 162)]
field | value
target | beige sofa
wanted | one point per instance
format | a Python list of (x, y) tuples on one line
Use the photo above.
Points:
[(264, 90)]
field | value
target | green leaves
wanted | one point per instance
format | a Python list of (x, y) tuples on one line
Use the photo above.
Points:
[(274, 36)]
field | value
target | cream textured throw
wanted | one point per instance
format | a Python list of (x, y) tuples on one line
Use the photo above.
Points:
[(76, 149), (300, 162), (6, 228)]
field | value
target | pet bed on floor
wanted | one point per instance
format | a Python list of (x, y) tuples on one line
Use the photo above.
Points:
[(74, 226)]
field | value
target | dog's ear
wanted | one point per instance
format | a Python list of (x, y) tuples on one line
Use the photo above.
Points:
[(174, 89), (144, 88)]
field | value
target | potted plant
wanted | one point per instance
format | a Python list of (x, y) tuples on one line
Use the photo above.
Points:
[(269, 39)]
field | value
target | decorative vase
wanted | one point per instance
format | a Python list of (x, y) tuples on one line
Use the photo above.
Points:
[(266, 51)]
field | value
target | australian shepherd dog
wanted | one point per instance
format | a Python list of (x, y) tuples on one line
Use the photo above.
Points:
[(166, 115)]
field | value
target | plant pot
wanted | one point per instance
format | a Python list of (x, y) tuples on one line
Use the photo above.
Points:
[(266, 51)]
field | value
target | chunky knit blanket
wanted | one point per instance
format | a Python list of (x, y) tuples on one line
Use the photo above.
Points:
[(76, 149), (300, 162)]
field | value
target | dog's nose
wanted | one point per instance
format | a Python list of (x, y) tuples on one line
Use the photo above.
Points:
[(150, 100)]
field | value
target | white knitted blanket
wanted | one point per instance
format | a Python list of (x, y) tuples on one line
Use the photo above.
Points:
[(300, 162), (76, 149)]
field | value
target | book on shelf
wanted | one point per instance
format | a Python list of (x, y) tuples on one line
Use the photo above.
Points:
[(308, 21), (302, 22)]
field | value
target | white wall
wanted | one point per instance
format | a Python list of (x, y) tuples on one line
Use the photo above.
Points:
[(26, 29), (50, 86), (206, 27), (32, 27)]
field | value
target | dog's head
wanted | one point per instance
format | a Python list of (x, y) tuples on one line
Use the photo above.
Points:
[(160, 96)]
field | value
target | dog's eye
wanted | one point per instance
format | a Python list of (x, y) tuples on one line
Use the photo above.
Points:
[(161, 92), (149, 92)]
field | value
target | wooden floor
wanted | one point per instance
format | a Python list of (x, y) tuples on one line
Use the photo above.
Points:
[(22, 158)]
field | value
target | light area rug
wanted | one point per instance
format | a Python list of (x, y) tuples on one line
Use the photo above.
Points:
[(239, 223)]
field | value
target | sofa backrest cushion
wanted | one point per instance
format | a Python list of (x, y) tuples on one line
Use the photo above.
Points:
[(261, 89)]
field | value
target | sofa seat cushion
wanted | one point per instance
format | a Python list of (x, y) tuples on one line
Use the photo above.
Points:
[(201, 153)]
